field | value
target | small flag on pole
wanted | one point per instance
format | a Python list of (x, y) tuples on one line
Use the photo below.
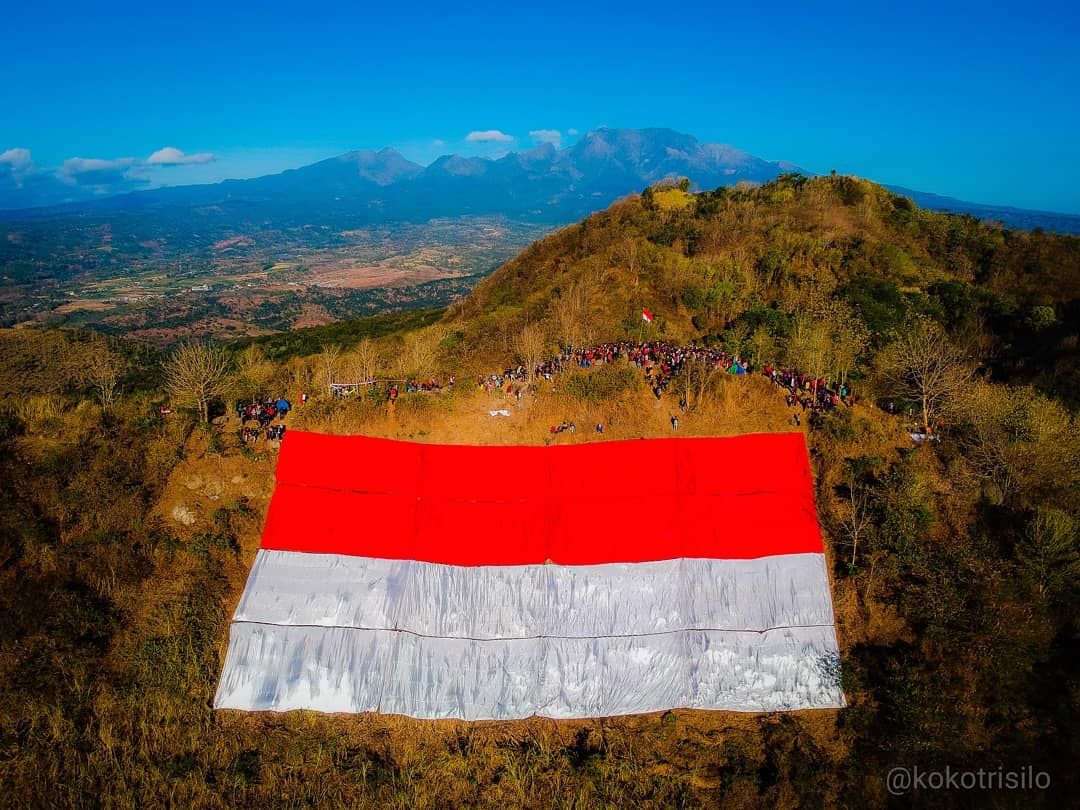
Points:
[(646, 315)]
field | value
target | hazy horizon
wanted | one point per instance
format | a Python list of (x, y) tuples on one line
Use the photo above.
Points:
[(953, 99), (249, 164)]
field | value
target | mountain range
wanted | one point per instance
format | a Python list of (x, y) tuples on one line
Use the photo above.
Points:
[(544, 184)]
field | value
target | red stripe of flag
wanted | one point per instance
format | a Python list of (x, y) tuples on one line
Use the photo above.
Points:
[(632, 501)]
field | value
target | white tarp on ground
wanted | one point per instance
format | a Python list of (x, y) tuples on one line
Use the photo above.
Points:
[(341, 633)]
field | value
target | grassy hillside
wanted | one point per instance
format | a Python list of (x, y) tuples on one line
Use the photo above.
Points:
[(740, 267), (126, 535)]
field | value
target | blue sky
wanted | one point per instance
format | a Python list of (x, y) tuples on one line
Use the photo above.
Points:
[(963, 99)]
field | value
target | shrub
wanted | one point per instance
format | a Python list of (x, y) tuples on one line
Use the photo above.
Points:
[(1040, 318), (40, 414), (603, 383), (880, 303)]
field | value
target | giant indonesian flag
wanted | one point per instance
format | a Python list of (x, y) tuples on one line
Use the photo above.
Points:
[(502, 582)]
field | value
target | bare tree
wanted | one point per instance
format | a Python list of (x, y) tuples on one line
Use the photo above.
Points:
[(301, 374), (828, 338), (849, 338), (330, 360), (196, 373), (990, 415), (530, 346), (923, 365), (809, 344), (420, 352), (1017, 438), (362, 362), (856, 516), (572, 313), (253, 373), (1048, 552), (697, 378), (103, 370)]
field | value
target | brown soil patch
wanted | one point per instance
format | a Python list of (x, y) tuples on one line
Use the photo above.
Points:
[(83, 305), (235, 241), (349, 276), (206, 480)]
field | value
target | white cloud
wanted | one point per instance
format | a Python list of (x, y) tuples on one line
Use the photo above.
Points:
[(488, 136), (18, 159), (78, 165), (94, 171), (572, 132), (552, 136), (122, 173), (171, 156), (438, 142)]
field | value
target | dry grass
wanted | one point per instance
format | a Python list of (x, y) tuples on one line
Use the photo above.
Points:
[(462, 416)]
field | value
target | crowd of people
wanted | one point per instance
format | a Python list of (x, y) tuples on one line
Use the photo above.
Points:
[(511, 381), (256, 418), (249, 434), (263, 412), (807, 392), (661, 362), (433, 384)]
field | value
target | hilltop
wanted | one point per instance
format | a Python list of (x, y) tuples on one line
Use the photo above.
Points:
[(953, 563), (744, 268)]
